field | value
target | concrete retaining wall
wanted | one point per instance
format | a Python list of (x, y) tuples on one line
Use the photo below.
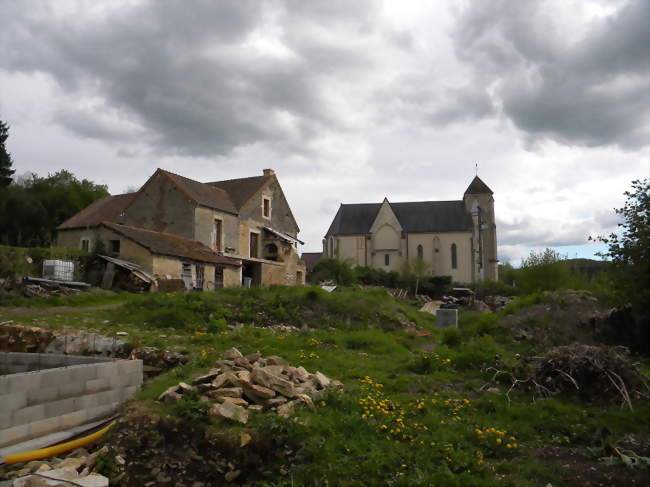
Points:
[(68, 391)]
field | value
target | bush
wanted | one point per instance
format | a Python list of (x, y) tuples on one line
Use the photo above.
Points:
[(189, 407), (451, 337), (336, 270)]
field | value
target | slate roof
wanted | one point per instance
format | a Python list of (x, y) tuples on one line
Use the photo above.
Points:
[(415, 217), (204, 194), (167, 244), (310, 259), (104, 209), (241, 189), (477, 186)]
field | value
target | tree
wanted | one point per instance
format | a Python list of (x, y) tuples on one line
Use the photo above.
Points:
[(543, 271), (32, 208), (629, 249), (6, 172)]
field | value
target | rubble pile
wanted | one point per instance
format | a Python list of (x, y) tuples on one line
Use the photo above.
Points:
[(497, 303), (20, 338), (44, 289), (156, 360), (76, 469), (239, 384)]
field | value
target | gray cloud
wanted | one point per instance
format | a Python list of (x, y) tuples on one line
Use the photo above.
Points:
[(193, 78), (535, 232), (592, 92)]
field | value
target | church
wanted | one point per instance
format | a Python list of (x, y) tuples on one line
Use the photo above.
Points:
[(454, 238)]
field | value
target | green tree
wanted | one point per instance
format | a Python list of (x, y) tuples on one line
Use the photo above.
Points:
[(6, 172), (31, 209), (629, 249), (336, 270), (543, 271)]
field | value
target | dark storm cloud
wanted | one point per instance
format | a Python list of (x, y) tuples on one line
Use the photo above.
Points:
[(186, 73), (592, 92)]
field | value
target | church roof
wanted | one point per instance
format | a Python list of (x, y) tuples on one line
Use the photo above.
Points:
[(415, 217), (477, 186)]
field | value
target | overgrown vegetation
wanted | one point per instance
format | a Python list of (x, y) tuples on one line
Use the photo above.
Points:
[(411, 278), (417, 409), (23, 261), (299, 306)]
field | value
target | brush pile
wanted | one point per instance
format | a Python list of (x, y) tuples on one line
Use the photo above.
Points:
[(240, 384), (595, 374)]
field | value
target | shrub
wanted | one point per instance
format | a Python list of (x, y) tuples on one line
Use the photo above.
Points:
[(189, 407), (451, 337)]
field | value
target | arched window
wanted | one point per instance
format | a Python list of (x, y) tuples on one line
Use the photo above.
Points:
[(420, 252), (454, 257), (386, 259)]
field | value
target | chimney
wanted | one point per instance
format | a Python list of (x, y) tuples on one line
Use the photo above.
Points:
[(269, 172)]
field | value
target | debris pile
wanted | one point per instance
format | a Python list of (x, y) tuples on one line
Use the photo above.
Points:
[(43, 289), (20, 338), (239, 384), (497, 303), (155, 360), (598, 374), (76, 469)]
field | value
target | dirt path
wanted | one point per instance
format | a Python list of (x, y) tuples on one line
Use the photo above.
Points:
[(9, 312)]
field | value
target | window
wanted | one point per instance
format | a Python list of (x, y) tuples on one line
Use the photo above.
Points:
[(200, 275), (186, 275), (271, 252), (216, 237), (254, 244), (420, 252), (298, 277), (454, 257), (266, 206), (386, 259), (114, 246), (85, 244), (218, 277)]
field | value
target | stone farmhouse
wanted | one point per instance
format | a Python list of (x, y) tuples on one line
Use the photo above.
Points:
[(454, 238), (211, 235)]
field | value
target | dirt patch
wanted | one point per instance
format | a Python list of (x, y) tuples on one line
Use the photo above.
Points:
[(564, 317), (149, 449), (584, 471)]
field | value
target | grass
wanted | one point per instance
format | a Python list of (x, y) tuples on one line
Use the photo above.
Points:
[(412, 412)]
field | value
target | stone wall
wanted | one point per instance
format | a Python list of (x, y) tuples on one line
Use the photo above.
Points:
[(67, 391)]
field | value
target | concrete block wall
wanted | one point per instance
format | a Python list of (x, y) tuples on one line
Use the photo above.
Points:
[(39, 402)]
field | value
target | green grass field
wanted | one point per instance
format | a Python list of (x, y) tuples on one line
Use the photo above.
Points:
[(413, 410)]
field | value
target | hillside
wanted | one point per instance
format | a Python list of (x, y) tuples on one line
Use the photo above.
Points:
[(418, 406)]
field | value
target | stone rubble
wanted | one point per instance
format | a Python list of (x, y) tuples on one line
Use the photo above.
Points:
[(239, 384), (76, 469)]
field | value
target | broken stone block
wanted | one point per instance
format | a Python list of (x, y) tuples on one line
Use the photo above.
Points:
[(242, 362), (244, 376), (226, 379), (275, 360), (305, 399), (232, 354), (209, 377), (184, 388), (271, 381), (321, 379), (274, 369), (258, 393), (275, 402), (239, 401), (170, 395), (287, 409), (230, 410), (226, 392), (253, 357)]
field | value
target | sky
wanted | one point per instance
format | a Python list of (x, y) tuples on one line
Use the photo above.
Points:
[(348, 101)]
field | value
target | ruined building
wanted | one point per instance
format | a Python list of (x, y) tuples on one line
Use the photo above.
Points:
[(222, 233)]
